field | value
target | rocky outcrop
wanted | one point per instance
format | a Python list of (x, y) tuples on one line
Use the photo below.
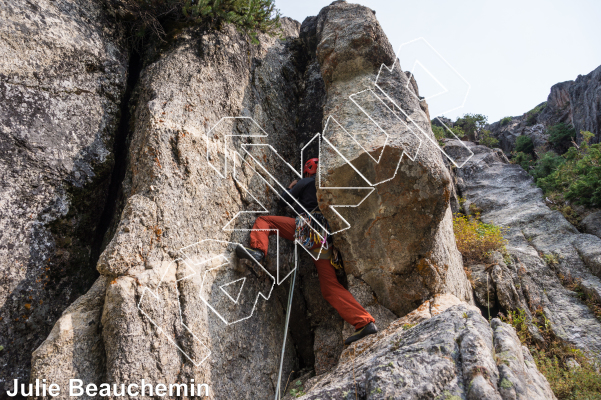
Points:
[(401, 236), (592, 223), (444, 349), (585, 103), (508, 133), (63, 72), (179, 194), (543, 246), (577, 103), (558, 108)]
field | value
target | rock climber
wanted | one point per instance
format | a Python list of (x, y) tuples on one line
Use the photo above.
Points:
[(311, 235)]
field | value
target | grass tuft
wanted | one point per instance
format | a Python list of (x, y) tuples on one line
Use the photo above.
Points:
[(477, 240)]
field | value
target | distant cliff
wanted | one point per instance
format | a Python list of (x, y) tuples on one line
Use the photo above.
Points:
[(577, 103)]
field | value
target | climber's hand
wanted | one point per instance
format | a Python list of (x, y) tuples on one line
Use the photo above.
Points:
[(294, 182)]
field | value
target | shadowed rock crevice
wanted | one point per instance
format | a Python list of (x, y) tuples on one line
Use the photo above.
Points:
[(114, 201)]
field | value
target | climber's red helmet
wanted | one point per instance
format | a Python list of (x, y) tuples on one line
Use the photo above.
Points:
[(311, 167)]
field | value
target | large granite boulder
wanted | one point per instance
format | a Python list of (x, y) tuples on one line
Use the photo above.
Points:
[(63, 72), (400, 240)]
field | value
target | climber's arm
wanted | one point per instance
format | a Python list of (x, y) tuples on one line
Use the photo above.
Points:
[(294, 190)]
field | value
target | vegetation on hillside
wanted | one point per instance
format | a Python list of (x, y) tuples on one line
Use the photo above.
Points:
[(468, 127), (571, 374), (152, 17), (577, 175), (574, 176), (472, 124), (524, 144), (440, 132), (561, 137)]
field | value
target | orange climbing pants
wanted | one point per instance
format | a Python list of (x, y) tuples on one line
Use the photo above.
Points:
[(334, 293)]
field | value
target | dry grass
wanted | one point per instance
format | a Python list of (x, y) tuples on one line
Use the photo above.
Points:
[(554, 356), (475, 239)]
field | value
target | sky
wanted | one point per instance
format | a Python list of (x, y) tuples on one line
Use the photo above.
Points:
[(509, 52)]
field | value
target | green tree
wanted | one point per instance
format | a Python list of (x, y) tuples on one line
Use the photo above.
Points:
[(524, 144), (458, 131), (524, 160), (561, 136), (578, 179), (439, 132), (487, 140), (545, 166), (151, 17), (472, 125)]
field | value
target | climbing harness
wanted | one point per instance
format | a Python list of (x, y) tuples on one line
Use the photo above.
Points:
[(311, 229)]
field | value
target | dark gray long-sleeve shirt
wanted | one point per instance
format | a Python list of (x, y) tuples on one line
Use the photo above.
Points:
[(305, 192)]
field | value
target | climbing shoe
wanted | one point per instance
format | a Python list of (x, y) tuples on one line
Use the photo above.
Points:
[(246, 253), (368, 329)]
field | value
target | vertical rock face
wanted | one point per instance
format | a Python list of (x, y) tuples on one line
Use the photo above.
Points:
[(558, 105), (585, 102), (400, 239), (63, 70), (172, 305)]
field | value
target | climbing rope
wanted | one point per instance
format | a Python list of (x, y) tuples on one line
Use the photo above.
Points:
[(278, 395), (487, 296)]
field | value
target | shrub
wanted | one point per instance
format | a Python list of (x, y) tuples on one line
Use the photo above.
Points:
[(487, 140), (439, 132), (476, 240), (505, 121), (524, 160), (579, 177), (546, 165), (250, 16), (524, 144), (458, 131), (577, 383), (561, 136)]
